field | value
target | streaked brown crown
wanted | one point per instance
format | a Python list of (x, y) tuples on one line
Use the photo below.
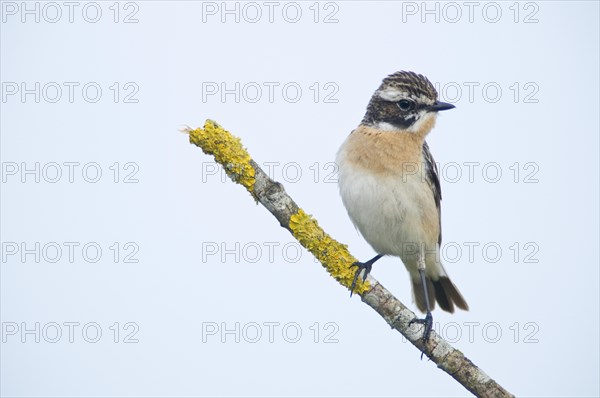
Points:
[(413, 84)]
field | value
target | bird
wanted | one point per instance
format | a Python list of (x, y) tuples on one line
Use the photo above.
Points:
[(389, 185)]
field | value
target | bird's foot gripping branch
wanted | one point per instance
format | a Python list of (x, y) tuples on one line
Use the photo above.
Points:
[(335, 257)]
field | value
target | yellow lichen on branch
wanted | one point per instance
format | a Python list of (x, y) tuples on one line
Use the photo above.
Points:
[(227, 150), (334, 256)]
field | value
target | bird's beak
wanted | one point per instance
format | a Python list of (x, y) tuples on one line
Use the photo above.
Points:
[(440, 106)]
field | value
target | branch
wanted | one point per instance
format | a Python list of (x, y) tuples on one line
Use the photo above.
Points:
[(335, 257)]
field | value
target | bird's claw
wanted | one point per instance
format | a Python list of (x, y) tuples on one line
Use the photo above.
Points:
[(427, 323), (361, 266)]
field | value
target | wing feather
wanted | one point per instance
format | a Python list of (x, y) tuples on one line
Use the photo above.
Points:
[(434, 183)]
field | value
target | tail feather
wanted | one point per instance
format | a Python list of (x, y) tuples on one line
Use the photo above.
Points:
[(442, 298), (443, 291)]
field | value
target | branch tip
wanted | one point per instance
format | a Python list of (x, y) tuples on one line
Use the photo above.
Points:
[(185, 129)]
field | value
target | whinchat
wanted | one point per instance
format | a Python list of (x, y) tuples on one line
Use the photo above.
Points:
[(389, 184)]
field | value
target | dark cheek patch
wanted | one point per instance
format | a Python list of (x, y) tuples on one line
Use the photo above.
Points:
[(401, 122), (388, 112)]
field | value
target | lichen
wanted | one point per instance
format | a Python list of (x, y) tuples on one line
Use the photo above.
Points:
[(227, 150), (334, 256)]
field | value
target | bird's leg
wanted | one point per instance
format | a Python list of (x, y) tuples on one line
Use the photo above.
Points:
[(428, 320), (363, 266)]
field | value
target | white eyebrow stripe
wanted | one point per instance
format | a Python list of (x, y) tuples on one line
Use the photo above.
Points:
[(391, 94), (394, 95)]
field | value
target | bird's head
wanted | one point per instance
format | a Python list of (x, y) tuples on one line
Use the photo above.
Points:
[(404, 101)]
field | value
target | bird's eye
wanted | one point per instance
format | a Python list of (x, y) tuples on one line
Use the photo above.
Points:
[(405, 105)]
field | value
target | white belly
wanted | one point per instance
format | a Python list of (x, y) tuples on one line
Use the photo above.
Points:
[(392, 212)]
